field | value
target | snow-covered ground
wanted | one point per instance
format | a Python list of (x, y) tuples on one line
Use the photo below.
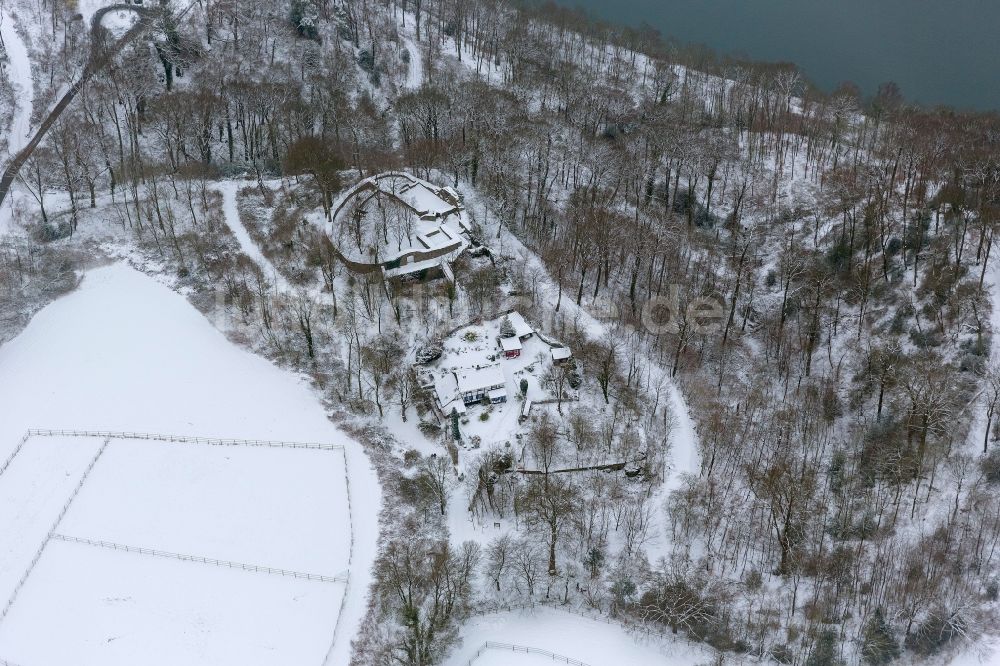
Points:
[(86, 8), (89, 606), (33, 490), (274, 507), (126, 353), (119, 22), (986, 653), (594, 642)]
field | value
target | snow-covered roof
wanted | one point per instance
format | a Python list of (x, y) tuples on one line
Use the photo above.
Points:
[(477, 379), (456, 405), (521, 327), (561, 353), (439, 238), (445, 388), (424, 200), (415, 267), (510, 344), (497, 394)]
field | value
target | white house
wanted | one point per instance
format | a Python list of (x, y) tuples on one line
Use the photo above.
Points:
[(488, 380)]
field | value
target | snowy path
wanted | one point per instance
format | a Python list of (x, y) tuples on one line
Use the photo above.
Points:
[(229, 189), (126, 353), (415, 75), (19, 73), (977, 430), (684, 457)]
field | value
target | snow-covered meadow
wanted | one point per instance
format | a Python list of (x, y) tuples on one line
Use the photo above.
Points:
[(85, 605), (590, 641), (124, 353)]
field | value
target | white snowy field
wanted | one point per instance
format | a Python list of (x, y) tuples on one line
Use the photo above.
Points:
[(500, 657), (985, 653), (90, 606), (125, 353), (271, 507), (33, 491), (593, 642)]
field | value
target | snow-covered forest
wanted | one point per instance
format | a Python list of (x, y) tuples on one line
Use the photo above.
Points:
[(732, 335)]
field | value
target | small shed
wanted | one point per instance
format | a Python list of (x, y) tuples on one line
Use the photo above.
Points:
[(498, 395), (525, 411), (511, 347), (561, 354)]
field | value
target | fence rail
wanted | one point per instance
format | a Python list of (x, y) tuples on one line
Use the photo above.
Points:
[(110, 545), (526, 649), (43, 432), (52, 531), (13, 454), (350, 563), (124, 435)]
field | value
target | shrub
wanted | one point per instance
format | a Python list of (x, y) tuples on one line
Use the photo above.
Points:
[(485, 416), (824, 653), (429, 429), (936, 632), (990, 464), (429, 352), (524, 387), (878, 644), (753, 580), (782, 654), (470, 336), (304, 18)]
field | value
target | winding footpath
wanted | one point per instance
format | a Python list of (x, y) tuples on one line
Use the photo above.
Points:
[(229, 189), (18, 71), (101, 54)]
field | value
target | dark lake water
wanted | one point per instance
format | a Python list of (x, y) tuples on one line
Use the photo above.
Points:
[(937, 51)]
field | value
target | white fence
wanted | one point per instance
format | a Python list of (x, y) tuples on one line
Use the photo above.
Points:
[(183, 439), (52, 531), (350, 563), (14, 453), (110, 545), (108, 436), (525, 649)]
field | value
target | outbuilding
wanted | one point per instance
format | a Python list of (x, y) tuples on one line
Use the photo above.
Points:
[(521, 328), (511, 347), (561, 354)]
